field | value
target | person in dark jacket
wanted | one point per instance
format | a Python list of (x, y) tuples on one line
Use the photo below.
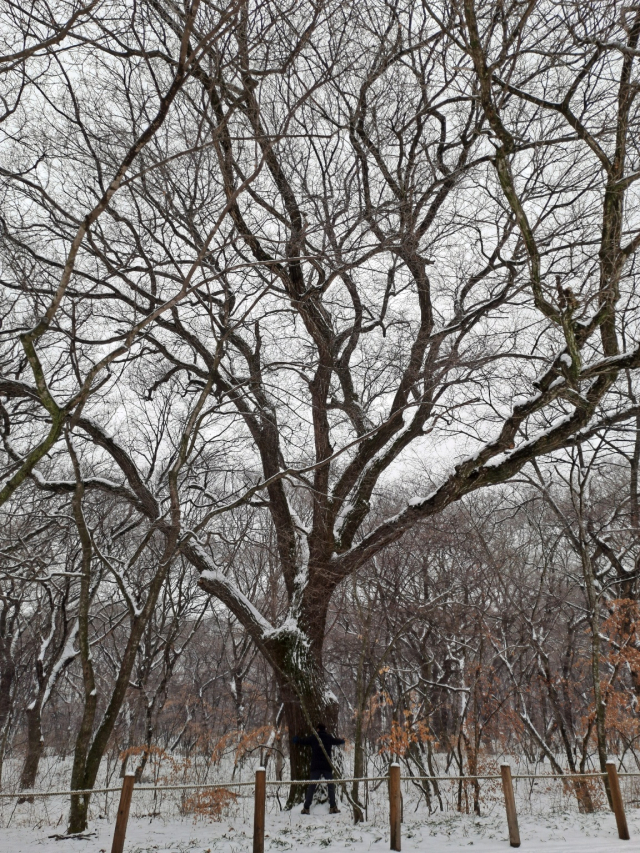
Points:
[(320, 766)]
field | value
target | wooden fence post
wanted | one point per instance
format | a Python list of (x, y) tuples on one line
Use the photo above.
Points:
[(616, 798), (510, 803), (123, 813), (259, 810), (395, 805)]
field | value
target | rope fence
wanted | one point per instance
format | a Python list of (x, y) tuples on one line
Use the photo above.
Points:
[(279, 783), (394, 779)]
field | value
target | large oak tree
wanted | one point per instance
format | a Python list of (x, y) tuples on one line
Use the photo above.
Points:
[(372, 241)]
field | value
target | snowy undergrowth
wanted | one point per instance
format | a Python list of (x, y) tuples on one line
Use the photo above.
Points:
[(548, 816), (563, 832)]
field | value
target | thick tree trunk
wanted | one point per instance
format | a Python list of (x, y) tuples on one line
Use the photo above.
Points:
[(35, 748), (296, 659), (306, 703), (80, 775), (293, 650), (149, 732), (7, 676)]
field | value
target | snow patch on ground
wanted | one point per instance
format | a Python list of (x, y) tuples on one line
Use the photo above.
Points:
[(543, 833)]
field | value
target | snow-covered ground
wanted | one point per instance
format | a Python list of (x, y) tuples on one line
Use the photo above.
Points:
[(547, 812), (552, 833)]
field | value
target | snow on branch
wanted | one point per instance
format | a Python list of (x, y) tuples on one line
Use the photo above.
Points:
[(213, 581)]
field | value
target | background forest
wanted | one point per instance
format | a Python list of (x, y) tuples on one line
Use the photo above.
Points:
[(318, 386), (509, 627)]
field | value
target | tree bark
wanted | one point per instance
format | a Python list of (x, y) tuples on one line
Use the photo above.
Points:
[(306, 702), (35, 748)]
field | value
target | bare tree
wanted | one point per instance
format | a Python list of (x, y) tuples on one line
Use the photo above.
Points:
[(385, 240)]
